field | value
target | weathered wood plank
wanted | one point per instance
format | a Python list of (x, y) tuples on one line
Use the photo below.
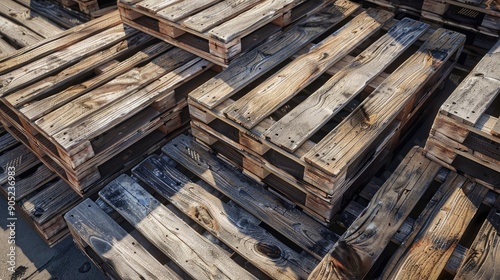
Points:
[(365, 240), (155, 5), (477, 91), (231, 224), (41, 68), (483, 257), (293, 223), (113, 244), (20, 158), (193, 253), (440, 232), (57, 13), (5, 48), (495, 131), (251, 20), (334, 153), (216, 14), (184, 9), (18, 34), (29, 184), (283, 85), (29, 18), (298, 125), (257, 62)]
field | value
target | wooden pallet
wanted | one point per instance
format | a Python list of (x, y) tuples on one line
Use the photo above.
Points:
[(411, 7), (95, 92), (466, 132), (164, 215), (351, 124), (218, 31), (92, 8), (481, 16), (438, 237)]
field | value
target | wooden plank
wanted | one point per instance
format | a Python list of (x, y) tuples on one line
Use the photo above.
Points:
[(33, 182), (29, 18), (292, 223), (117, 88), (438, 232), (194, 254), (29, 97), (20, 158), (155, 5), (5, 48), (57, 13), (184, 9), (113, 244), (50, 202), (231, 224), (216, 14), (54, 62), (305, 119), (365, 240), (336, 151), (477, 91), (18, 34), (84, 129), (257, 62), (483, 257), (58, 42), (7, 141), (283, 85), (251, 20), (495, 131)]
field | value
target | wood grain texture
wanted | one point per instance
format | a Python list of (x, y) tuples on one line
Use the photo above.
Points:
[(113, 244), (114, 90), (295, 76), (37, 99), (216, 14), (155, 5), (439, 230), (336, 151), (259, 61), (20, 157), (184, 9), (305, 119), (5, 48), (49, 64), (56, 12), (170, 234), (34, 181), (95, 124), (482, 259), (366, 238), (18, 34), (477, 91), (231, 224), (293, 223)]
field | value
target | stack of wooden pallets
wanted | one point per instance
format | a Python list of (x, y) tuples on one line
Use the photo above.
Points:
[(325, 119), (155, 223), (479, 15), (218, 31), (466, 132)]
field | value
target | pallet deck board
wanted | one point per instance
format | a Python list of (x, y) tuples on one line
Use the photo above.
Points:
[(257, 62), (118, 248), (315, 238), (364, 241), (19, 34), (229, 222), (170, 234), (258, 104), (319, 107)]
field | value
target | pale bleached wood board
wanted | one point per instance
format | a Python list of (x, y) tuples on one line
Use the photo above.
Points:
[(293, 223), (17, 33), (427, 252), (5, 48), (261, 101), (113, 244), (365, 240), (94, 124), (29, 18), (117, 88), (36, 99), (218, 13), (257, 62), (58, 42), (482, 259), (184, 9), (336, 151), (252, 19), (229, 222), (306, 118), (153, 6), (477, 91), (195, 254), (54, 62)]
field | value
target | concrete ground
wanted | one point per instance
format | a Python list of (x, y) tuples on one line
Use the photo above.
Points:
[(36, 260)]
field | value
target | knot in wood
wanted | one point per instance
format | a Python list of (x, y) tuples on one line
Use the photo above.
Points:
[(268, 250)]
